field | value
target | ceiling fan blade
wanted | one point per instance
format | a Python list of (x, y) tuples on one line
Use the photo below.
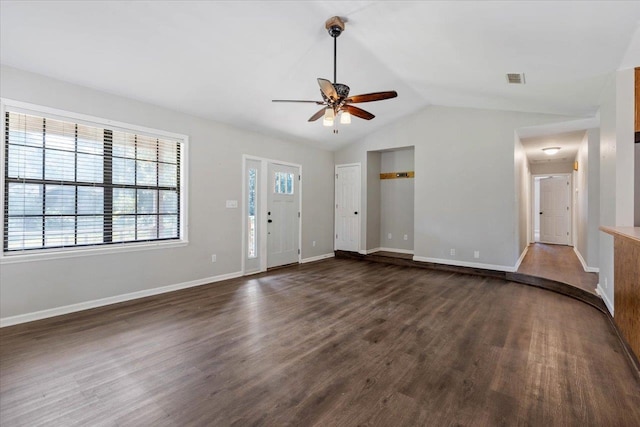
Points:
[(358, 112), (317, 115), (327, 88), (297, 100), (375, 96)]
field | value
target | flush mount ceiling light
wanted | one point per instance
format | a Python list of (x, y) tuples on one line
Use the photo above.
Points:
[(335, 96), (550, 151)]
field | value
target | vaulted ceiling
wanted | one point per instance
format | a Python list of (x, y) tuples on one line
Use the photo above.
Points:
[(226, 60)]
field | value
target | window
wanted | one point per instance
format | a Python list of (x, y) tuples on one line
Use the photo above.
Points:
[(252, 243), (70, 184), (283, 183)]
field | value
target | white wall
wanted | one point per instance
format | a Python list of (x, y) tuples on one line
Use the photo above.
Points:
[(372, 169), (636, 207), (616, 169), (215, 175), (465, 197), (593, 224), (587, 199), (625, 149), (536, 209), (551, 167), (523, 196), (396, 201)]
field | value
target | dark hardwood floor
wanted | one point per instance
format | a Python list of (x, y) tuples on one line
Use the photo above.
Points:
[(337, 342), (557, 262)]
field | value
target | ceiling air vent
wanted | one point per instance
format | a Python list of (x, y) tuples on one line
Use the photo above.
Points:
[(515, 78)]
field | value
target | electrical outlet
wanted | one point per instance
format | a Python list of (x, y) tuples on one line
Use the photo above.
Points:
[(213, 258), (476, 254), (313, 243), (406, 237), (389, 236), (606, 285), (452, 252)]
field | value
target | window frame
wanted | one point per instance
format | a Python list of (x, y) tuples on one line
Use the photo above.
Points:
[(120, 247)]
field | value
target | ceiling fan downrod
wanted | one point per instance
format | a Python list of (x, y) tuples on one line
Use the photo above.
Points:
[(335, 27)]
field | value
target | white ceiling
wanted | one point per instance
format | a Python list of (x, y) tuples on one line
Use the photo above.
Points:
[(569, 142), (227, 60)]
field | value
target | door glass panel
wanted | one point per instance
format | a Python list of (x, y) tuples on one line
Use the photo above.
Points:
[(283, 183)]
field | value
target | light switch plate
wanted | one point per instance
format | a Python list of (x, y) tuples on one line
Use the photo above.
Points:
[(232, 203)]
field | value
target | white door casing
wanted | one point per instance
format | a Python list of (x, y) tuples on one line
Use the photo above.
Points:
[(555, 210), (261, 260), (347, 213), (283, 216)]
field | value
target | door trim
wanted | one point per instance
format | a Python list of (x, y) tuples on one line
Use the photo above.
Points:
[(335, 204), (264, 162)]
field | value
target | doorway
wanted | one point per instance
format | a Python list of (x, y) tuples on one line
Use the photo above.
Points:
[(552, 209), (271, 214)]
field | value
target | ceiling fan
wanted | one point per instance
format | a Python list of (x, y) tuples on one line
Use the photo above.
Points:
[(335, 96)]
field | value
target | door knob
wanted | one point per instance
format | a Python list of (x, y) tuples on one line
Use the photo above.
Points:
[(270, 221), (356, 213), (540, 213)]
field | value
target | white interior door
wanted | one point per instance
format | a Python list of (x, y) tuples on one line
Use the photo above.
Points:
[(283, 216), (554, 210), (347, 221)]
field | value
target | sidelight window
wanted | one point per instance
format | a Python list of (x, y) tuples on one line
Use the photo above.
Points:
[(252, 243)]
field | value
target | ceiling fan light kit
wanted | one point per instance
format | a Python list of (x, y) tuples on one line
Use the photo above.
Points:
[(335, 96), (329, 116)]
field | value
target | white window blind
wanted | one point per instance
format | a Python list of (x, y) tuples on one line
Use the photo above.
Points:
[(69, 184)]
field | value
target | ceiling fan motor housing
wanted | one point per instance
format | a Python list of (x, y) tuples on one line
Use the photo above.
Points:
[(341, 90)]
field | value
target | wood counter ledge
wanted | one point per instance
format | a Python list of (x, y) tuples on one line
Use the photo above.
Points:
[(632, 233), (626, 276)]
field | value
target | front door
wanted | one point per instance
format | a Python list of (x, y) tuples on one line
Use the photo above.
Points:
[(283, 216), (554, 210), (347, 221)]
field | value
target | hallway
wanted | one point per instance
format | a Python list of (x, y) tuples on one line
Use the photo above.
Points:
[(557, 262)]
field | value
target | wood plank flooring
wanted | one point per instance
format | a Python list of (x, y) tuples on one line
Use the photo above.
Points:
[(557, 262), (338, 342)]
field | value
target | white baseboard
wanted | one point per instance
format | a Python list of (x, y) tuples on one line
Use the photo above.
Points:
[(522, 255), (58, 311), (604, 297), (584, 264), (368, 251), (465, 264), (397, 251), (317, 258)]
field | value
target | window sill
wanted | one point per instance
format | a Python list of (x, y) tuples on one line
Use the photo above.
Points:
[(44, 255)]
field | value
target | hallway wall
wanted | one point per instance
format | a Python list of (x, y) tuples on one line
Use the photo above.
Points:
[(465, 195), (397, 201), (616, 170), (587, 199)]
